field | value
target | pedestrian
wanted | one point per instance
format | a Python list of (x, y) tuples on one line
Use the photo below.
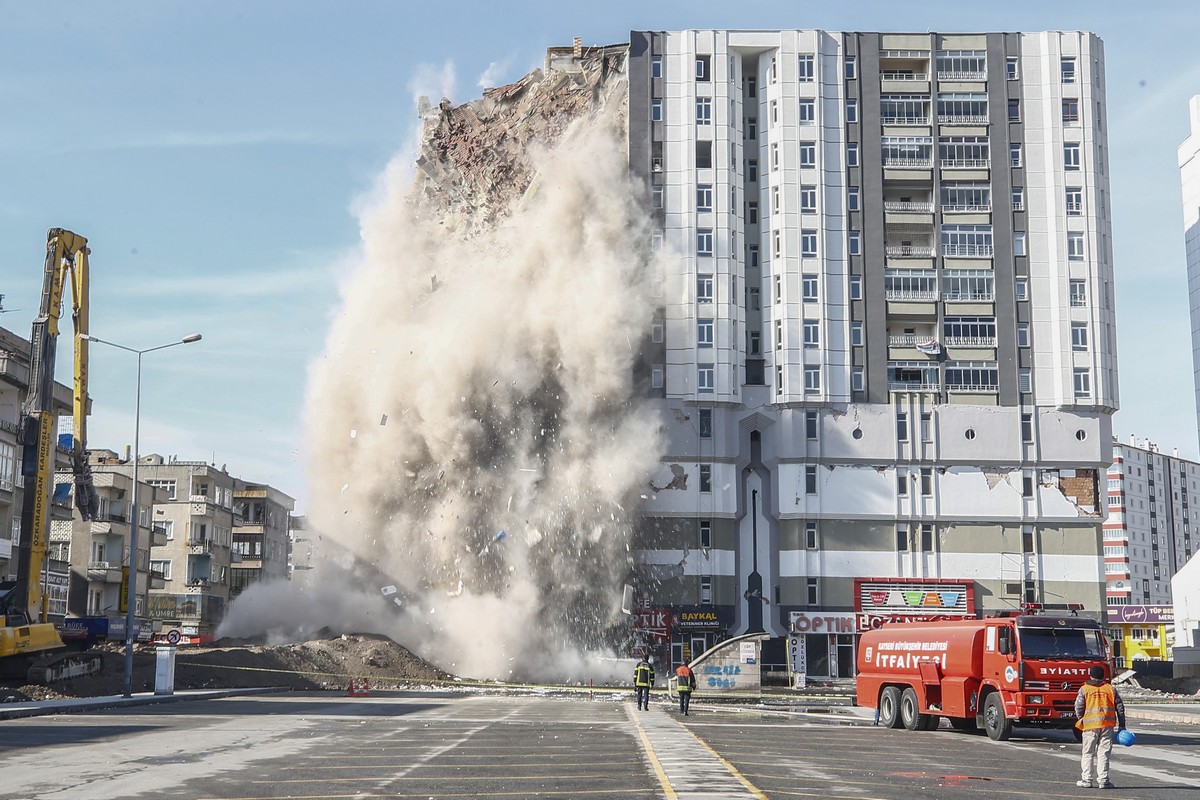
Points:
[(684, 684), (643, 679), (1100, 714)]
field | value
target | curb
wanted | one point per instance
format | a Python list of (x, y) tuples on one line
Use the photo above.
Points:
[(1162, 715), (78, 705)]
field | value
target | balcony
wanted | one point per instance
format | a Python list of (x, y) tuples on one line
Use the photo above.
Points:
[(967, 208), (899, 385), (1074, 209), (912, 295), (909, 206), (907, 119), (967, 250), (962, 75), (200, 546), (966, 163), (971, 341), (971, 297), (893, 75), (909, 251), (104, 572), (925, 162), (963, 119), (972, 388), (158, 580)]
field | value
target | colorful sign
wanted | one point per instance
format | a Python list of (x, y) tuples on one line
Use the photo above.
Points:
[(653, 623), (1141, 615), (906, 597), (692, 618), (821, 622), (870, 622)]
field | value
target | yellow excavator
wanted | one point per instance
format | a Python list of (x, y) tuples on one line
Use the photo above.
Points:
[(30, 645)]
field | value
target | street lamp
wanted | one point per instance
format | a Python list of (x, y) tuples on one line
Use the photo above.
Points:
[(131, 587)]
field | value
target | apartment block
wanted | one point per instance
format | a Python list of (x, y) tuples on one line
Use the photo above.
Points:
[(262, 535), (886, 349), (1189, 175)]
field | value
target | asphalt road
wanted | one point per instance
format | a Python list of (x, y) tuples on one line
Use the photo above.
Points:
[(407, 745)]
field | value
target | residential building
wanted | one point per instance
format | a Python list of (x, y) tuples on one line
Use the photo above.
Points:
[(887, 352), (1186, 590), (262, 535), (1189, 174)]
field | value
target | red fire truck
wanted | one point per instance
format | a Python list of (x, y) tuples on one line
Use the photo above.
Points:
[(992, 673)]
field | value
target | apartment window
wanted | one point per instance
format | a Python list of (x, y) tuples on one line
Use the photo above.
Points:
[(810, 479), (856, 334), (704, 242), (778, 334), (813, 595), (656, 109), (776, 204), (856, 290), (1021, 289), (1068, 70), (926, 537), (851, 68), (852, 154), (656, 66), (167, 527), (901, 426), (812, 333), (779, 380), (1027, 428), (706, 590), (1018, 198), (810, 536), (751, 128), (1078, 293), (777, 242), (656, 196), (967, 240), (705, 477), (1014, 155), (851, 110), (812, 379), (168, 486), (704, 288), (808, 288), (162, 567), (926, 427), (656, 376), (752, 213), (962, 65), (1025, 381), (854, 243), (705, 378), (703, 110), (705, 533), (704, 333), (1074, 198), (808, 199), (810, 425), (752, 170), (808, 154), (808, 242), (1026, 485), (774, 157), (703, 154), (1014, 110), (806, 110), (1071, 156), (753, 342), (858, 379), (703, 68), (1022, 334), (1070, 109), (1075, 246), (1012, 69), (704, 197), (1083, 382), (1079, 337), (807, 69), (1019, 243), (964, 152), (926, 481), (774, 112), (705, 423), (852, 199)]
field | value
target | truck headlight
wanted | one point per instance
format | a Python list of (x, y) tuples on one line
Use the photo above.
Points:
[(1034, 699)]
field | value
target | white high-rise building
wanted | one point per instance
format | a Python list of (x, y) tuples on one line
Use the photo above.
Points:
[(886, 349), (1189, 175)]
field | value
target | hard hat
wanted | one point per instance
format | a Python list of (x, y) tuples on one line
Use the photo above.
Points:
[(1126, 737)]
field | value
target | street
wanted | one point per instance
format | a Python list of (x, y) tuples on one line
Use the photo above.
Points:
[(442, 745)]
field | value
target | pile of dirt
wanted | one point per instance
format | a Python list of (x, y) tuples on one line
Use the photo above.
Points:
[(1151, 687), (327, 663)]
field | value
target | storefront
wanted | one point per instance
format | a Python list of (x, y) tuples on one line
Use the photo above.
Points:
[(1140, 633), (695, 629), (821, 644)]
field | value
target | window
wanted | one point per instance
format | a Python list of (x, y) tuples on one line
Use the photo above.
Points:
[(704, 288), (656, 196), (1018, 198), (752, 170), (968, 285), (167, 527), (705, 477), (808, 154), (1019, 243), (854, 243), (806, 71), (776, 205), (812, 333), (1075, 246), (704, 333), (656, 376), (168, 486), (967, 240), (778, 334), (964, 152), (901, 426), (706, 590), (904, 109), (851, 110), (704, 197), (656, 109), (972, 376), (926, 481), (858, 379), (1068, 70), (851, 68), (856, 290), (774, 157), (813, 594), (704, 242), (1079, 337), (1083, 382), (806, 110), (810, 479), (810, 425), (703, 154), (774, 112), (1014, 110), (706, 533), (703, 110), (852, 154), (1021, 289), (808, 242), (810, 536), (808, 288), (1074, 199), (1012, 69), (1070, 109), (808, 199), (926, 427), (1025, 381), (1014, 155), (1027, 428), (704, 68), (1022, 334), (1078, 293), (751, 128), (962, 65), (753, 342), (812, 379), (704, 378), (901, 483), (852, 199), (751, 213), (1071, 155), (656, 66), (926, 537), (1027, 485)]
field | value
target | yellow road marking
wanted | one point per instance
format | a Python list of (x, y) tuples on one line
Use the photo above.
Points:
[(668, 790), (750, 787)]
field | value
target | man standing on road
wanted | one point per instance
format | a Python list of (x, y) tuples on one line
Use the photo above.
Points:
[(1100, 715), (685, 682), (643, 679)]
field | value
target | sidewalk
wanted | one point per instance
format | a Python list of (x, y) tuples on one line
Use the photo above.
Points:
[(1185, 713), (75, 705)]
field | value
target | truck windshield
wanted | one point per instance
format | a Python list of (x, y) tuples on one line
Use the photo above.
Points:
[(1060, 643)]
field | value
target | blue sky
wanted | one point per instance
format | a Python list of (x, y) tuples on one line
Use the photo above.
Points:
[(214, 155)]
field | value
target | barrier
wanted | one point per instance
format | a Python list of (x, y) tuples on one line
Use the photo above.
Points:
[(358, 688)]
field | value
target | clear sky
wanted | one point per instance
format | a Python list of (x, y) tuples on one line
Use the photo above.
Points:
[(215, 153)]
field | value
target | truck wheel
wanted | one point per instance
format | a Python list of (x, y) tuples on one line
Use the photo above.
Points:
[(910, 711), (889, 707), (932, 721), (998, 726), (967, 724)]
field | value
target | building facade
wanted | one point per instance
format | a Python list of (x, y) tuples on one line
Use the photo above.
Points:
[(886, 347), (262, 536), (1189, 176)]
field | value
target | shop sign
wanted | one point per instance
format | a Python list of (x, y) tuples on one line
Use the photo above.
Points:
[(1141, 615), (700, 618), (654, 623), (882, 597), (869, 622), (821, 622)]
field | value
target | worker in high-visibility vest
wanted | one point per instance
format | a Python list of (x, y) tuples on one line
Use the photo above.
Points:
[(643, 679), (684, 684), (1100, 713)]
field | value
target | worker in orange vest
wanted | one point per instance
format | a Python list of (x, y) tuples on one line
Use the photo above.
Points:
[(1100, 714), (685, 682)]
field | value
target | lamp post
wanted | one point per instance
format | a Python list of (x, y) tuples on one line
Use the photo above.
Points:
[(131, 586)]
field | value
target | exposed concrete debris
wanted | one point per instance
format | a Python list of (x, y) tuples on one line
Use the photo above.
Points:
[(1080, 487), (678, 480), (994, 476)]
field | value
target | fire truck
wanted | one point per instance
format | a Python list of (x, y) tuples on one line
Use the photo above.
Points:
[(1022, 668)]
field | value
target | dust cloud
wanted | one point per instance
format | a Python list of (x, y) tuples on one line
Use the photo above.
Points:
[(477, 450)]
